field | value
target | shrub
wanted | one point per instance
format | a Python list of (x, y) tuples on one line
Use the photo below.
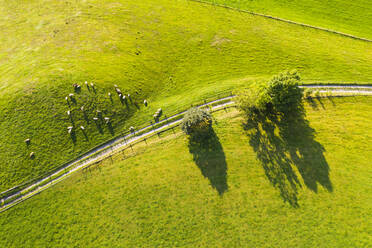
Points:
[(196, 121)]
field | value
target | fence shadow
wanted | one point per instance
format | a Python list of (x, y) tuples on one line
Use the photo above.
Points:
[(283, 144), (209, 156), (312, 103)]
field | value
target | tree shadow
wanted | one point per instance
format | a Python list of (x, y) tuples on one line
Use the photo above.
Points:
[(284, 143), (209, 156)]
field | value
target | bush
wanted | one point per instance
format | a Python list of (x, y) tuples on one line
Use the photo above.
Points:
[(280, 95), (196, 121)]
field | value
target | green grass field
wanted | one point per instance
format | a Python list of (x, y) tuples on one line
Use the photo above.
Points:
[(351, 17), (185, 196), (169, 52)]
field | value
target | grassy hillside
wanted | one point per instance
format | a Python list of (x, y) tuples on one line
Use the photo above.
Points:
[(186, 196), (169, 52), (351, 17)]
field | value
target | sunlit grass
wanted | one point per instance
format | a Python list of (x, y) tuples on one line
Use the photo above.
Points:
[(171, 53), (160, 197), (340, 15)]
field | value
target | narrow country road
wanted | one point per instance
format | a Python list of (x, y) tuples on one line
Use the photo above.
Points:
[(110, 147)]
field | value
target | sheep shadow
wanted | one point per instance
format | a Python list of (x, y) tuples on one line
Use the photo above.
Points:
[(85, 135), (99, 126), (209, 156), (282, 145), (73, 137), (86, 118), (111, 128)]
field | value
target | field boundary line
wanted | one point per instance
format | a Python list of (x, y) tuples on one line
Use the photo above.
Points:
[(283, 20)]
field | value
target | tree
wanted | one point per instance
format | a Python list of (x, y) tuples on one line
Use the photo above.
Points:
[(196, 122), (284, 93), (279, 95)]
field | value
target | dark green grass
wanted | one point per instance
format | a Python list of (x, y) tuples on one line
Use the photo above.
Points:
[(351, 17), (174, 194), (172, 53)]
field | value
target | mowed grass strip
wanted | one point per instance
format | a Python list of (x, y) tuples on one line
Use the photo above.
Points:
[(353, 18), (165, 196), (172, 53)]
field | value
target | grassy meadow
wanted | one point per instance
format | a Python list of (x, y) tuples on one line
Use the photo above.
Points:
[(171, 53), (351, 17), (220, 194)]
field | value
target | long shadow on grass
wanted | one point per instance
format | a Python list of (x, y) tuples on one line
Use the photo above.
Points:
[(209, 156), (284, 143)]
